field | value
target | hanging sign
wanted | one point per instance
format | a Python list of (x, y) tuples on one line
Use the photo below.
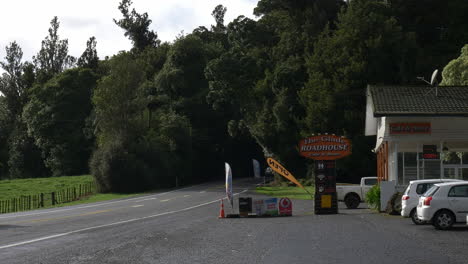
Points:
[(325, 147), (430, 152)]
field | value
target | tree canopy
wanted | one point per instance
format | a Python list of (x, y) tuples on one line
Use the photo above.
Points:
[(168, 114)]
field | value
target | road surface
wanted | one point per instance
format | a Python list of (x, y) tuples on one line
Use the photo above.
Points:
[(181, 226)]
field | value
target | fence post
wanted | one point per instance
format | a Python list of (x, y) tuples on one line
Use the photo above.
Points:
[(53, 198)]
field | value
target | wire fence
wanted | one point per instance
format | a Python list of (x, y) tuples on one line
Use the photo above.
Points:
[(36, 201)]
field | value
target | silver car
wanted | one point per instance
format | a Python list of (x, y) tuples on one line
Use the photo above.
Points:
[(410, 198)]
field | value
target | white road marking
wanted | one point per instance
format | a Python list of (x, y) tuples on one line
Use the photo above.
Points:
[(138, 205), (203, 192), (152, 198), (186, 195), (93, 205), (107, 225)]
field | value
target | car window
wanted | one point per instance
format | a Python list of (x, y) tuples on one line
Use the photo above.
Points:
[(458, 191), (370, 181), (423, 187), (431, 191)]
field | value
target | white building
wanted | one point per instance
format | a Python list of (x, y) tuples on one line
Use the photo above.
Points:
[(422, 132)]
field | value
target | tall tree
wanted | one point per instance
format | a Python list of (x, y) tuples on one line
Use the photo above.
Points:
[(136, 27), (53, 57), (218, 14), (89, 58), (12, 84), (55, 118), (19, 154)]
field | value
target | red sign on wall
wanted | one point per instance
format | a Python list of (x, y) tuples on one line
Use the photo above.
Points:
[(409, 128)]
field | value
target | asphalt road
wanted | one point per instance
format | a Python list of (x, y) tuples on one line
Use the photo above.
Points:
[(181, 226)]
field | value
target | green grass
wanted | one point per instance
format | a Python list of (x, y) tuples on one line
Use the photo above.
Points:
[(290, 192), (23, 187), (15, 188)]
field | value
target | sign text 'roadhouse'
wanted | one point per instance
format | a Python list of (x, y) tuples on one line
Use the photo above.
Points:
[(325, 147)]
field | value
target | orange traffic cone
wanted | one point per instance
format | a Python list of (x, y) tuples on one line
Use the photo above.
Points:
[(221, 211)]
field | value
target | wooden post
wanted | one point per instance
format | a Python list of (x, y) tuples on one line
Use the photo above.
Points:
[(53, 198)]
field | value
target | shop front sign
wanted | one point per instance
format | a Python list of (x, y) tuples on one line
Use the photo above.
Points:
[(409, 128)]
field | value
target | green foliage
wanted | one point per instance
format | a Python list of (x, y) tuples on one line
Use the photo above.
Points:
[(55, 118), (89, 58), (53, 57), (24, 158), (373, 197), (456, 72), (136, 27)]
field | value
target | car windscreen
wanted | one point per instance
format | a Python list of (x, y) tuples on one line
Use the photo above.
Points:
[(431, 191)]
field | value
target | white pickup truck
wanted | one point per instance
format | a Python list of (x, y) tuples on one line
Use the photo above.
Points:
[(353, 194)]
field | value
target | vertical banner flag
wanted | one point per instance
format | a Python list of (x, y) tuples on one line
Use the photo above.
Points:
[(256, 168), (229, 184)]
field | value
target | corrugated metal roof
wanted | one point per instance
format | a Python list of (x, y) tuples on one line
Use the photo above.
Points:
[(420, 100)]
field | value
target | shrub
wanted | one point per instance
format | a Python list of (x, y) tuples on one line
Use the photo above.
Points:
[(373, 197)]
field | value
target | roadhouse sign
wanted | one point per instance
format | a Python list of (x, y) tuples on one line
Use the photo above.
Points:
[(325, 147)]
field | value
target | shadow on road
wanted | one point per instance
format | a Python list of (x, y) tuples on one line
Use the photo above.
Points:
[(4, 227)]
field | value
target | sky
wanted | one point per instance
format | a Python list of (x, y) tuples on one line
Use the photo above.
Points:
[(27, 21)]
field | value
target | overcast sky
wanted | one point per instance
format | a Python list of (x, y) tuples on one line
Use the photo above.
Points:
[(27, 21)]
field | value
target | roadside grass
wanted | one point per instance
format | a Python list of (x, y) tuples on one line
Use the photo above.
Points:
[(10, 189), (98, 197), (18, 187), (289, 192)]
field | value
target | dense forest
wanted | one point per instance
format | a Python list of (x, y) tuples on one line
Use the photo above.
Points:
[(168, 114)]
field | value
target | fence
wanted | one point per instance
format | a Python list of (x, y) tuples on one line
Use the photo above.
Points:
[(35, 201)]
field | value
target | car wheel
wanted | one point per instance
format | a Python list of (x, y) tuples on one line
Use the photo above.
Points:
[(415, 219), (443, 220), (352, 201)]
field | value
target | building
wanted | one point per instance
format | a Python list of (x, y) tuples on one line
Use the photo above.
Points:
[(421, 131)]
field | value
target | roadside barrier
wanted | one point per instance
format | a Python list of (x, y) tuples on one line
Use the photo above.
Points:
[(36, 201)]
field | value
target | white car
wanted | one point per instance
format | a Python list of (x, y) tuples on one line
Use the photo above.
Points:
[(410, 198), (444, 204)]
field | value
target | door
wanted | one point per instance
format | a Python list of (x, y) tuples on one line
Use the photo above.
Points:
[(458, 199)]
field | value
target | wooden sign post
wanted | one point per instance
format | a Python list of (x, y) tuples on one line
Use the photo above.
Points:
[(325, 150)]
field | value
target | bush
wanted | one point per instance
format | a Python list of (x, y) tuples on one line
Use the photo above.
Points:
[(373, 197), (116, 169)]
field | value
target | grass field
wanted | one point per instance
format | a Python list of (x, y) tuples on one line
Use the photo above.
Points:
[(290, 192), (14, 189)]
